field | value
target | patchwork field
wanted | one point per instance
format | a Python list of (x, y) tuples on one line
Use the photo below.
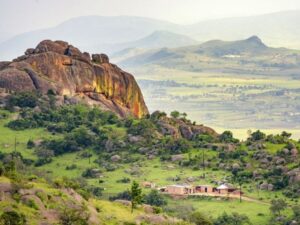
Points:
[(238, 102)]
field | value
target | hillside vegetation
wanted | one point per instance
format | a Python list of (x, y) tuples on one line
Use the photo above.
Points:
[(74, 161)]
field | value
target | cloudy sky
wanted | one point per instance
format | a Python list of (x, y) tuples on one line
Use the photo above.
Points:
[(18, 16)]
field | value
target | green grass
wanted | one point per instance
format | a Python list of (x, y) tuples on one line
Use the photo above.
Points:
[(161, 173), (8, 137), (214, 208)]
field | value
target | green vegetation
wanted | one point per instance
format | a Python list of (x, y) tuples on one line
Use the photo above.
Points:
[(103, 158)]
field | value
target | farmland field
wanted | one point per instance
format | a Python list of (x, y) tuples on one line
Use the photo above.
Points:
[(239, 102)]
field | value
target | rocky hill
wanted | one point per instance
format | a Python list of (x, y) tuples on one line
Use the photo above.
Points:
[(65, 70)]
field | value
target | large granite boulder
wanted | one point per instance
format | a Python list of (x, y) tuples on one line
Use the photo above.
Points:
[(63, 68)]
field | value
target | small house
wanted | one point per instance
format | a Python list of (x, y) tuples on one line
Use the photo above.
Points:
[(178, 189), (225, 189), (204, 189)]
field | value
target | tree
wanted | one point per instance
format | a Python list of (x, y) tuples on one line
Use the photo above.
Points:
[(258, 135), (239, 178), (286, 134), (199, 219), (227, 137), (154, 198), (12, 218), (136, 195), (234, 219), (175, 114), (277, 205)]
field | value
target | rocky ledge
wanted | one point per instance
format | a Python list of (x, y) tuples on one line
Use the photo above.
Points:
[(64, 69)]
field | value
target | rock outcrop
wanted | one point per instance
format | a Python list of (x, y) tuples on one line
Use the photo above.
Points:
[(180, 127), (64, 69)]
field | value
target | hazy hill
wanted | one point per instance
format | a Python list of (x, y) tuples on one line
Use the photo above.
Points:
[(91, 33), (159, 39), (233, 56), (112, 34), (277, 29)]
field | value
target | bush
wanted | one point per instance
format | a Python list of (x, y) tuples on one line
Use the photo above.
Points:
[(71, 167), (124, 180), (31, 203), (155, 199), (30, 144), (125, 195), (258, 135), (227, 137), (199, 219), (22, 124), (42, 161), (73, 216), (12, 218), (23, 99), (233, 219)]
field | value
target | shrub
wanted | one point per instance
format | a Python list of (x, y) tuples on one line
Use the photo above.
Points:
[(74, 216), (71, 167), (227, 137), (12, 218), (31, 203), (258, 135), (199, 219), (125, 195), (22, 124), (42, 161), (124, 180), (23, 99), (154, 198), (233, 219), (30, 144)]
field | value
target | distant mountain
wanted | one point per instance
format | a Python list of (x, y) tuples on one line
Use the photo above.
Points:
[(243, 56), (91, 33), (218, 48), (280, 29), (159, 39), (112, 34)]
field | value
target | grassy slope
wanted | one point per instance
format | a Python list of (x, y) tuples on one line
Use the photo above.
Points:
[(109, 212), (151, 170)]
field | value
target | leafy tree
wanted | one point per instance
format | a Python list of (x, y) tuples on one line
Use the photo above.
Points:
[(136, 195), (12, 218), (233, 219), (277, 205), (82, 136), (199, 219), (143, 127), (154, 198), (227, 137), (286, 134), (240, 178), (258, 135), (175, 114)]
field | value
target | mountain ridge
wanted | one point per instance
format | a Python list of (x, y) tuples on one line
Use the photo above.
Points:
[(102, 33)]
